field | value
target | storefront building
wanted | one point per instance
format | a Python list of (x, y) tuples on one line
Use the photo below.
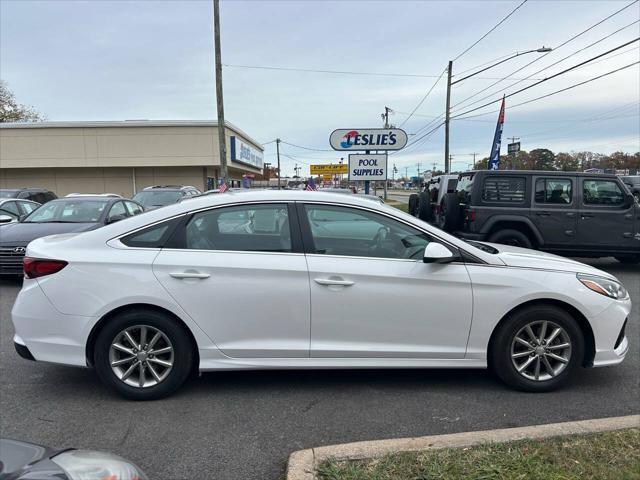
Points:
[(122, 157)]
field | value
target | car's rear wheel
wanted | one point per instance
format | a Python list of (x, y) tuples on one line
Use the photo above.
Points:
[(537, 348), (143, 354), (511, 237)]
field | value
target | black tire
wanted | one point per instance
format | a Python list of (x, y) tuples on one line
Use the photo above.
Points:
[(413, 204), (424, 207), (499, 356), (182, 359), (451, 212), (511, 237), (630, 259)]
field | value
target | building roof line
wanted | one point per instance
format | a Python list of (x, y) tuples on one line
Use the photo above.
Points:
[(130, 123)]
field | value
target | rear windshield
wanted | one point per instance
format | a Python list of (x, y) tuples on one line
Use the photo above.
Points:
[(68, 211), (160, 198), (8, 193)]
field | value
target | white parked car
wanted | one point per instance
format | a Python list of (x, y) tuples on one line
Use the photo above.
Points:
[(295, 279)]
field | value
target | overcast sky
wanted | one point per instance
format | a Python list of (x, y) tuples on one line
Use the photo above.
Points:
[(116, 60)]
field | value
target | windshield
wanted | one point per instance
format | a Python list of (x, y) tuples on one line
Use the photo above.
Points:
[(68, 211), (632, 180), (8, 193), (157, 198)]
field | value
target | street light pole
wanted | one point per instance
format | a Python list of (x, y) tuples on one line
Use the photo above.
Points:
[(447, 116)]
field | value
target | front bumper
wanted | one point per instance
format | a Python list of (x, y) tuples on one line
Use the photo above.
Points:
[(609, 332)]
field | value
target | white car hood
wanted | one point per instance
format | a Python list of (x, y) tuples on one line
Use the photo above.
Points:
[(526, 258)]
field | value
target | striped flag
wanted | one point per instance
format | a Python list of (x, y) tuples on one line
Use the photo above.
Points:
[(494, 159), (222, 186), (311, 185)]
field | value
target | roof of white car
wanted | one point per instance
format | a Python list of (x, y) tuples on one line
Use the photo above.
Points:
[(276, 195)]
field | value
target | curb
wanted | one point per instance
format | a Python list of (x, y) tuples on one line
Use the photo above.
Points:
[(303, 463)]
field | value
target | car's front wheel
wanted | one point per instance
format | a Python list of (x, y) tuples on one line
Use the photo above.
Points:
[(143, 354), (537, 348)]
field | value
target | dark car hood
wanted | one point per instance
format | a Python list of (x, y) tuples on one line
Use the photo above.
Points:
[(22, 233)]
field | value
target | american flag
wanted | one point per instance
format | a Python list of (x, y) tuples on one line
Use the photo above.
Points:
[(311, 185), (223, 186)]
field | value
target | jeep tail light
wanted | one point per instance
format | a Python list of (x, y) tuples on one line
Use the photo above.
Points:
[(470, 215), (39, 267)]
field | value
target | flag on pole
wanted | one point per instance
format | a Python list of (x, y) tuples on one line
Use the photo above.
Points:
[(311, 185), (222, 186), (494, 159)]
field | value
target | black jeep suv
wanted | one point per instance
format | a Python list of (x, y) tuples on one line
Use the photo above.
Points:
[(568, 213)]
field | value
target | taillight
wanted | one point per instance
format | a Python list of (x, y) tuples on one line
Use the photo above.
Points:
[(39, 267), (470, 215)]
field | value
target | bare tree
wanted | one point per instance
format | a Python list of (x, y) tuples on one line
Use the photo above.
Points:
[(12, 111)]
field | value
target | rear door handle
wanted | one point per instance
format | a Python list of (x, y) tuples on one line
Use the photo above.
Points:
[(542, 214), (182, 275), (585, 216), (332, 281)]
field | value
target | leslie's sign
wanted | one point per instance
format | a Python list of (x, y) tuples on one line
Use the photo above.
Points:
[(368, 139)]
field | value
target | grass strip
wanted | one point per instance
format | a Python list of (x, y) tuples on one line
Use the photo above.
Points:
[(604, 456)]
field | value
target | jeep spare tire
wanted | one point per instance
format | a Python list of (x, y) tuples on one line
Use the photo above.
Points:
[(424, 207), (413, 204), (450, 212)]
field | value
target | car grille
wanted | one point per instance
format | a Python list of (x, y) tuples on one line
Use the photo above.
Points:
[(11, 260)]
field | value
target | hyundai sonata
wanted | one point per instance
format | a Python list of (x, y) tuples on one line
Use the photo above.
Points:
[(295, 279)]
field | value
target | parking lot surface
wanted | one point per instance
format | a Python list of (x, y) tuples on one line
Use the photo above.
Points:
[(234, 425)]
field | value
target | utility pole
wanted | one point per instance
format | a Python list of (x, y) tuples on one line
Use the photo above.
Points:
[(385, 115), (278, 154), (447, 118), (222, 142)]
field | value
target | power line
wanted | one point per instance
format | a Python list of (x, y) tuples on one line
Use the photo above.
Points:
[(491, 30), (576, 85), (542, 56), (306, 148), (335, 72), (423, 98), (548, 78), (549, 66)]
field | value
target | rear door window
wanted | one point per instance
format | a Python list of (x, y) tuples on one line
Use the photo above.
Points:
[(602, 192), (556, 191), (503, 189)]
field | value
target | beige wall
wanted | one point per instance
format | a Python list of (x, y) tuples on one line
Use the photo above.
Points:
[(113, 146), (63, 181)]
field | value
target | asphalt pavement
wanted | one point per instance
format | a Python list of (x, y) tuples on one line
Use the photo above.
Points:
[(243, 425)]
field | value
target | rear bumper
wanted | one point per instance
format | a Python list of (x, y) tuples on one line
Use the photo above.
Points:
[(21, 348), (45, 333)]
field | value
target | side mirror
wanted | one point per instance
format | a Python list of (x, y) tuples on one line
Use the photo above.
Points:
[(6, 219), (438, 253), (115, 218)]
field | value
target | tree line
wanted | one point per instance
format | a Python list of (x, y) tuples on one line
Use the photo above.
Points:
[(545, 159)]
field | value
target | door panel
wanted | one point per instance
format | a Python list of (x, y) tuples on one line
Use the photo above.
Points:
[(392, 308), (371, 293), (604, 221), (554, 209), (239, 275), (251, 304)]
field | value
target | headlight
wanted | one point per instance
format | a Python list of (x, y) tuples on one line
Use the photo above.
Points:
[(92, 465), (604, 286)]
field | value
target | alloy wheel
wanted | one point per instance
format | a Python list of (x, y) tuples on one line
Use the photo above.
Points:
[(541, 350), (141, 356)]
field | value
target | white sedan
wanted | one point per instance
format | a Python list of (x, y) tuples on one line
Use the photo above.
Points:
[(296, 279)]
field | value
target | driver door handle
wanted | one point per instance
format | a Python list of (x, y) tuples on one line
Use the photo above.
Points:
[(331, 281), (182, 275)]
